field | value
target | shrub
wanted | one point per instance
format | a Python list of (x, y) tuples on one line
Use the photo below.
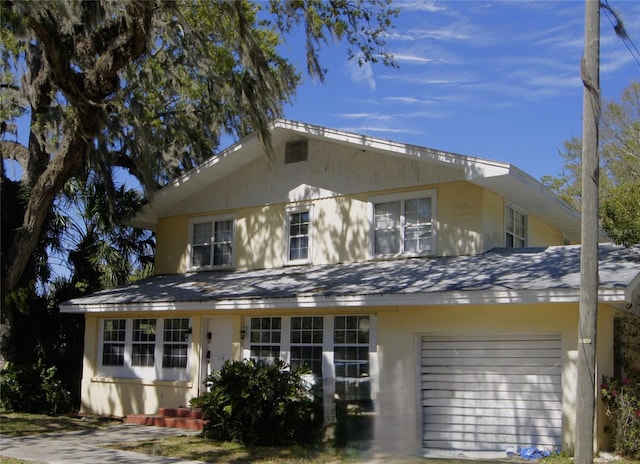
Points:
[(259, 404), (622, 405), (33, 388)]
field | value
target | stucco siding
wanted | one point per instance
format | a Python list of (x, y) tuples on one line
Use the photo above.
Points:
[(171, 245), (460, 223), (541, 234), (398, 335)]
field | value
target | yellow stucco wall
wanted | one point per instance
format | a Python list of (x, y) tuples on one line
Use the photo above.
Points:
[(541, 234), (469, 220), (396, 356), (399, 331), (171, 245)]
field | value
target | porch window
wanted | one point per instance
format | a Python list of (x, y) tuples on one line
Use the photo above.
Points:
[(265, 338), (144, 342), (351, 358), (515, 228), (306, 343), (403, 224), (212, 243), (113, 336), (175, 346)]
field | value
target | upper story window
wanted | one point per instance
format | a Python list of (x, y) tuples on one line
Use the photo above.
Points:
[(211, 243), (404, 224), (299, 237), (515, 228)]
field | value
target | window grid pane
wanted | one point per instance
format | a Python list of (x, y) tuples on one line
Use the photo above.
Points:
[(223, 243), (306, 343), (298, 236), (176, 333), (143, 346), (265, 337), (201, 244), (515, 228), (387, 228), (351, 358), (417, 232)]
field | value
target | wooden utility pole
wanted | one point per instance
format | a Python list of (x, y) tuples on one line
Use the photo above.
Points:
[(588, 311)]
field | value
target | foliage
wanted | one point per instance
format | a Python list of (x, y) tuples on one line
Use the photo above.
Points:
[(150, 87), (621, 396), (259, 404), (622, 405), (619, 153), (33, 388)]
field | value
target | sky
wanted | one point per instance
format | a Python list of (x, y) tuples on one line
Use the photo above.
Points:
[(492, 79)]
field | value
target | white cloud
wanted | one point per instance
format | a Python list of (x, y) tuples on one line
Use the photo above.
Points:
[(361, 74)]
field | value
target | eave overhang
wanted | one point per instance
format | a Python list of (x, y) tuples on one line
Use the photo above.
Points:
[(308, 302)]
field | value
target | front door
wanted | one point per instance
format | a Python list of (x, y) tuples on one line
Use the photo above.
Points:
[(218, 341)]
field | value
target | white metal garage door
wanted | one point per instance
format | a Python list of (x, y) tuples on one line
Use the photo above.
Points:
[(491, 393)]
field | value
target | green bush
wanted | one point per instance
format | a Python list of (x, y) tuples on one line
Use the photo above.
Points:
[(34, 389), (260, 404), (622, 405)]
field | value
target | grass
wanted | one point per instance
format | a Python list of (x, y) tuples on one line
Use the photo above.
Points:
[(198, 449), (22, 424)]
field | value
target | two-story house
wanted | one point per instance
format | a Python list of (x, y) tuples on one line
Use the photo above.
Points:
[(433, 295)]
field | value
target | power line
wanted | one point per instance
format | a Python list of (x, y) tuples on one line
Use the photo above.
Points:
[(621, 32)]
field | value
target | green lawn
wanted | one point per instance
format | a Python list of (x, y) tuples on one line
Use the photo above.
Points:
[(197, 448)]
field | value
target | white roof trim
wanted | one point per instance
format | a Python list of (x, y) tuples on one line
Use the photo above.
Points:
[(320, 301)]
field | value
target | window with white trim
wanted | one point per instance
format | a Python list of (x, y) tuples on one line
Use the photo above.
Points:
[(298, 235), (403, 224), (265, 336), (351, 358), (306, 343), (338, 350), (113, 336), (515, 227), (144, 348), (175, 342), (211, 242)]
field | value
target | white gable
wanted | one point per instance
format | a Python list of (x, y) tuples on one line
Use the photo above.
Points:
[(342, 163)]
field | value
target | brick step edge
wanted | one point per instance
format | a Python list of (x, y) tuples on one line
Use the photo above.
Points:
[(162, 421), (186, 413)]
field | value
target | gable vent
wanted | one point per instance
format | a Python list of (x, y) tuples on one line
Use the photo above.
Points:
[(296, 151)]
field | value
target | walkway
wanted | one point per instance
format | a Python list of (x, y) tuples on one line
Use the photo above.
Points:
[(86, 447)]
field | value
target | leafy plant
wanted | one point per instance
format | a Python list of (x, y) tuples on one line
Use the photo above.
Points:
[(260, 404), (33, 388), (622, 396)]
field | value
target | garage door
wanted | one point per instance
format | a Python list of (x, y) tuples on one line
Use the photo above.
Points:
[(491, 393)]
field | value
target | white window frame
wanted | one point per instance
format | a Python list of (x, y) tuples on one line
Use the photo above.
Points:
[(328, 346), (517, 211), (211, 220), (128, 370), (402, 198), (303, 208)]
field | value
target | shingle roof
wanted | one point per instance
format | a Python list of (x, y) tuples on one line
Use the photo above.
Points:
[(539, 271)]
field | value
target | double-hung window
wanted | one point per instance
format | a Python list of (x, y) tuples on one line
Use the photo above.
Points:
[(113, 337), (265, 336), (211, 242), (403, 224), (145, 348), (298, 235), (144, 342), (515, 227), (175, 346)]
